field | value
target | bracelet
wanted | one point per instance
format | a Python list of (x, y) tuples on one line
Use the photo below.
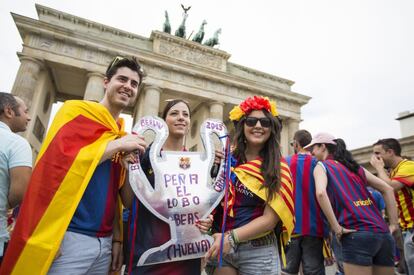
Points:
[(235, 237), (116, 241), (231, 241)]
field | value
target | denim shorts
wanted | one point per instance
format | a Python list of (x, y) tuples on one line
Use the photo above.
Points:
[(368, 248), (258, 256)]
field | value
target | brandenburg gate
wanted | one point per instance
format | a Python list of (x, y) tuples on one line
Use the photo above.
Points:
[(65, 57)]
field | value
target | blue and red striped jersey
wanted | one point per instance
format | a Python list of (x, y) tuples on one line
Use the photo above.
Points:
[(351, 201), (95, 213), (310, 220)]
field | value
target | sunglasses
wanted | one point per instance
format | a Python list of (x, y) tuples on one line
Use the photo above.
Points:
[(115, 61), (118, 59), (252, 121)]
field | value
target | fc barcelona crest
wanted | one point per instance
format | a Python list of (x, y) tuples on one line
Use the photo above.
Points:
[(184, 162)]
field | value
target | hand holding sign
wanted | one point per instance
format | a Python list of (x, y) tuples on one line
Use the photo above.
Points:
[(183, 192)]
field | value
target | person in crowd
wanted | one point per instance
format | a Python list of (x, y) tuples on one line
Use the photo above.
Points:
[(67, 222), (146, 230), (341, 190), (15, 159), (387, 155), (260, 195), (379, 200), (306, 245)]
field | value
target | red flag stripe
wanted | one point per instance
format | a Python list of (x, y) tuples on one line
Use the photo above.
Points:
[(38, 200)]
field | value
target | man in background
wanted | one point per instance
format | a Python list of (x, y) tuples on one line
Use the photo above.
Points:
[(306, 245), (387, 154), (15, 159)]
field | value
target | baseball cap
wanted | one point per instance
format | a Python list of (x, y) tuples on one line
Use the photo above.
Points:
[(321, 138)]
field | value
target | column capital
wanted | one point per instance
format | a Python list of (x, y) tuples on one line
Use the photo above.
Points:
[(94, 90), (152, 87), (23, 58), (92, 74), (212, 103), (216, 109), (293, 120)]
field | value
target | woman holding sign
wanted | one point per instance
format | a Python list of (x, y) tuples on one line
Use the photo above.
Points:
[(145, 230), (259, 194)]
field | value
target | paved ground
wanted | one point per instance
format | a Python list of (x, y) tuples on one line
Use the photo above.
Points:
[(330, 270)]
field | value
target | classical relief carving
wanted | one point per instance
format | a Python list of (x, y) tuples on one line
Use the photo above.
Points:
[(71, 50), (46, 43), (191, 55), (195, 81), (90, 55)]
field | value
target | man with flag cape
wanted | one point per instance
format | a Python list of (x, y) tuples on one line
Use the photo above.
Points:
[(69, 211)]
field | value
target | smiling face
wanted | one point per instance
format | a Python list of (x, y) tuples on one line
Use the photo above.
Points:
[(121, 90), (178, 119), (257, 135)]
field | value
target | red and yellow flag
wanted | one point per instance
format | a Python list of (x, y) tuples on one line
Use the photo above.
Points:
[(282, 203), (66, 162)]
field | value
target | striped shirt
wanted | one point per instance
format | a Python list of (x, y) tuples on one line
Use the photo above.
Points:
[(310, 220), (404, 173), (351, 201), (96, 210)]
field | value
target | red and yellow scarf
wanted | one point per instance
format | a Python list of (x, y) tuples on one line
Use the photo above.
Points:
[(66, 162), (250, 175)]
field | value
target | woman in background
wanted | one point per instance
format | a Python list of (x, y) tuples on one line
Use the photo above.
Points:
[(341, 190)]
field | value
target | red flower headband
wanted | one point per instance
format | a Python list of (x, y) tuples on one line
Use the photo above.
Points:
[(250, 104)]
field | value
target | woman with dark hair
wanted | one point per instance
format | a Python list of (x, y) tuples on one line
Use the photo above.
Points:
[(145, 229), (260, 194), (341, 190)]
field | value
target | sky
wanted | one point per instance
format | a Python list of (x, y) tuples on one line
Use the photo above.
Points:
[(354, 58)]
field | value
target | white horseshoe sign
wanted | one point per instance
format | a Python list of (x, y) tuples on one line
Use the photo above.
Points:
[(183, 190)]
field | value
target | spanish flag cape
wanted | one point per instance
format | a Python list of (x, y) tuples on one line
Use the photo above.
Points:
[(66, 162), (282, 203)]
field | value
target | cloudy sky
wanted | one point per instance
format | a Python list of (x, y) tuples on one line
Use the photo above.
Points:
[(354, 58)]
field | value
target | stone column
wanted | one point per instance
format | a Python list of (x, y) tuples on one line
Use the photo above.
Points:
[(293, 126), (284, 138), (150, 106), (216, 110), (27, 77), (94, 88)]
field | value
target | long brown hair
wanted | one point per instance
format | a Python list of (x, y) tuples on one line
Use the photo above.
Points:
[(270, 153)]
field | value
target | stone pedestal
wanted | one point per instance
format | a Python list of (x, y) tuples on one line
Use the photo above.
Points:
[(94, 88)]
